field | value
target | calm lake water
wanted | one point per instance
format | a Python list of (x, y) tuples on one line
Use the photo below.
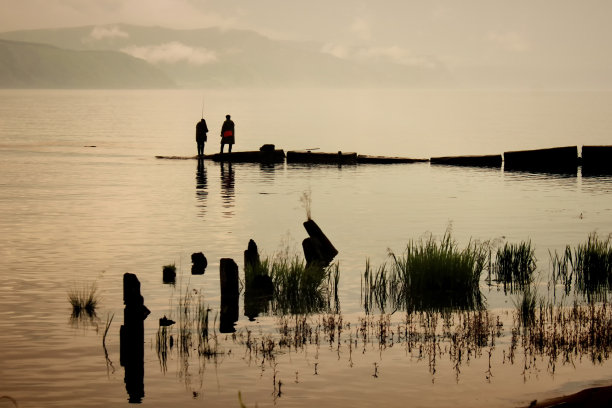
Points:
[(73, 215)]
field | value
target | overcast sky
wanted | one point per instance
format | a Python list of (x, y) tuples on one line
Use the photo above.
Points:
[(573, 35)]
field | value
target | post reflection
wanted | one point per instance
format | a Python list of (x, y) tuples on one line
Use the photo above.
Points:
[(201, 186), (227, 188)]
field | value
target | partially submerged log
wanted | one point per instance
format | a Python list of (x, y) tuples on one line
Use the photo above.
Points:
[(493, 160), (596, 160), (318, 249), (308, 156), (553, 160), (258, 156), (365, 159)]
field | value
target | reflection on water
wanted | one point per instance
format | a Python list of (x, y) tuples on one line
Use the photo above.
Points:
[(227, 188), (201, 187)]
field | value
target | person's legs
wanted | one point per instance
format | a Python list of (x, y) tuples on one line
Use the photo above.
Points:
[(222, 147), (229, 148)]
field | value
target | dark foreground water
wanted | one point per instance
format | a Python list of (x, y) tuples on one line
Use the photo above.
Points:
[(72, 216)]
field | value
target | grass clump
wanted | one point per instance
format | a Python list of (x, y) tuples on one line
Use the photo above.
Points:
[(84, 300), (514, 265), (431, 275), (588, 266)]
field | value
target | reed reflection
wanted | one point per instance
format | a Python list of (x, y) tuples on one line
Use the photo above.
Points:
[(201, 186), (227, 188)]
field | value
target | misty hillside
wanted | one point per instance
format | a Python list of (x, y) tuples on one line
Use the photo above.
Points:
[(30, 65), (216, 57)]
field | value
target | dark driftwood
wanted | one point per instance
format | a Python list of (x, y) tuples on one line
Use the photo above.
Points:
[(596, 160), (317, 248), (228, 274), (554, 160), (493, 160), (307, 156)]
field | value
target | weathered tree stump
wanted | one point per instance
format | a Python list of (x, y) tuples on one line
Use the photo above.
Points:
[(169, 274), (198, 263), (251, 256)]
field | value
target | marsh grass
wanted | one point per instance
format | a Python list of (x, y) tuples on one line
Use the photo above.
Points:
[(191, 335), (514, 265), (84, 300), (429, 275), (588, 267)]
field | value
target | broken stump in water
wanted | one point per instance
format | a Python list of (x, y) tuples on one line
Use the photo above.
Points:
[(169, 273), (317, 248), (198, 263), (131, 336), (228, 274), (251, 255)]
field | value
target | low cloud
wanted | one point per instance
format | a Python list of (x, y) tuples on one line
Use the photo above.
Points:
[(101, 33), (172, 53), (393, 54)]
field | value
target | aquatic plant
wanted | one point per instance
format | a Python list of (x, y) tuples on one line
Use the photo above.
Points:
[(588, 267), (514, 265), (430, 275), (84, 300), (306, 200)]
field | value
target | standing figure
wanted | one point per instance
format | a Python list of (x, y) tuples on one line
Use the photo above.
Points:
[(227, 133), (201, 130)]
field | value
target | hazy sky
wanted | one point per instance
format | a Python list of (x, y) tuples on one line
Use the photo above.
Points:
[(570, 35)]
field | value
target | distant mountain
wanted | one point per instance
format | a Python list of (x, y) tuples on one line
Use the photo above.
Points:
[(31, 65), (217, 57)]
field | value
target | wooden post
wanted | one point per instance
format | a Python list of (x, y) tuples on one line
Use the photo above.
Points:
[(132, 338), (228, 274)]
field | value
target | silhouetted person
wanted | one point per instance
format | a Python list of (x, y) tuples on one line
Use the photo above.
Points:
[(227, 133), (201, 130)]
